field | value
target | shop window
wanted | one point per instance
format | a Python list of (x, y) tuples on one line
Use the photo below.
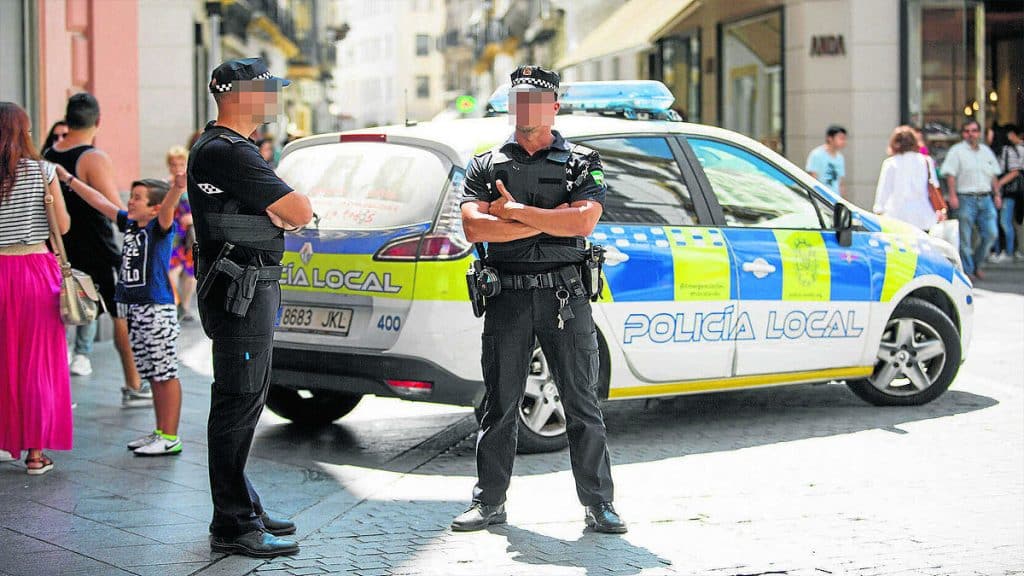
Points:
[(423, 87), (751, 78), (680, 70)]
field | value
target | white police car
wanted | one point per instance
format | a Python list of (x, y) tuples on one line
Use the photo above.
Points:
[(728, 267)]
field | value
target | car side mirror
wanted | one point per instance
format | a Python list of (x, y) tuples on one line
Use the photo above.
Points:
[(842, 221)]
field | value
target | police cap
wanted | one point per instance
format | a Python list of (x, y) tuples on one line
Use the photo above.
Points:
[(227, 76), (534, 79)]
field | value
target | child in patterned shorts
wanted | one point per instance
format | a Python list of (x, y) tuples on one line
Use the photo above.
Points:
[(145, 298)]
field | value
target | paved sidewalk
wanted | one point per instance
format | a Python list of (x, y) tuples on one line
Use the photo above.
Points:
[(800, 480)]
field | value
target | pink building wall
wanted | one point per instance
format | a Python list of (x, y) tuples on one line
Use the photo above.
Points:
[(92, 45)]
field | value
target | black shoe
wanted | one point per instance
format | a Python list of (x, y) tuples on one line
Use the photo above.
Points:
[(478, 517), (258, 544), (603, 518), (277, 526)]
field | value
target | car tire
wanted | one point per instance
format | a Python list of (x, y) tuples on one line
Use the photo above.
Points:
[(917, 360), (541, 390), (320, 409)]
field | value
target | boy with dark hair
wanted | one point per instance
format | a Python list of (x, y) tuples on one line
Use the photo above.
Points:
[(144, 296), (826, 162), (90, 242)]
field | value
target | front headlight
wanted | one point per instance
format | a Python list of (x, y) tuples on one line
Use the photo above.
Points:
[(948, 250)]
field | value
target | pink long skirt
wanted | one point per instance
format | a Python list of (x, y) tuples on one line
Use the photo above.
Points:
[(35, 387)]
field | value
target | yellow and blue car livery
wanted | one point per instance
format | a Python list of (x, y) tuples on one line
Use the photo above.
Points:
[(686, 309)]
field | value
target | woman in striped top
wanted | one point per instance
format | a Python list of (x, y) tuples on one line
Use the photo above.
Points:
[(35, 387)]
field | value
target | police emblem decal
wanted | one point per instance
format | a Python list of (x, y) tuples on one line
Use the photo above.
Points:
[(527, 71), (306, 253)]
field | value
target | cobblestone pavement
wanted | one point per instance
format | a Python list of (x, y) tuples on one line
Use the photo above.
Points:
[(799, 480)]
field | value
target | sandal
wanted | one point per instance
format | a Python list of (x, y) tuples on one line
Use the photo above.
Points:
[(44, 465)]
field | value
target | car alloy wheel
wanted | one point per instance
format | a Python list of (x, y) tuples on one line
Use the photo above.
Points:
[(910, 358), (542, 411)]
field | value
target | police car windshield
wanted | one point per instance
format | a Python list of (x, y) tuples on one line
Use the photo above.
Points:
[(363, 185)]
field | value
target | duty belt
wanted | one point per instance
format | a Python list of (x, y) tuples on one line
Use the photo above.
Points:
[(552, 279)]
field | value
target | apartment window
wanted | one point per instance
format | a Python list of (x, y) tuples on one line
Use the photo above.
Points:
[(422, 44), (423, 87)]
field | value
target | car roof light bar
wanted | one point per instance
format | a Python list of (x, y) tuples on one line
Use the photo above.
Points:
[(633, 99)]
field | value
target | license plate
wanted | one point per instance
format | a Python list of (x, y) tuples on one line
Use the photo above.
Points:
[(334, 321)]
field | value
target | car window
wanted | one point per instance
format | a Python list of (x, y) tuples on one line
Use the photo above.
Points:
[(644, 182), (363, 185), (751, 191)]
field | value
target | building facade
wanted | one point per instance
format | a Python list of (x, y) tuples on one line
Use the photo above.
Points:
[(781, 71), (389, 69)]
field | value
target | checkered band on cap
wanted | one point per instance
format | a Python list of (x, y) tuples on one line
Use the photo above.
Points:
[(536, 82), (214, 87)]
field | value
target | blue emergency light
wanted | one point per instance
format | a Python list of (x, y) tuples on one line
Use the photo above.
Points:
[(632, 99)]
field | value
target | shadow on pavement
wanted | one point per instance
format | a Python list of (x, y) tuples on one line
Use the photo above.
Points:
[(651, 430), (597, 553)]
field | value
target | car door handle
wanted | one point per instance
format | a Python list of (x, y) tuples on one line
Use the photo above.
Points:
[(759, 267)]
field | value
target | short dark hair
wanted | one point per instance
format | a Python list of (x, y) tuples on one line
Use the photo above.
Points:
[(156, 189), (970, 122), (833, 130), (83, 111), (1012, 128)]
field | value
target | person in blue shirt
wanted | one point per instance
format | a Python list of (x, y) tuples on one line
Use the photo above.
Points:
[(826, 162), (144, 295)]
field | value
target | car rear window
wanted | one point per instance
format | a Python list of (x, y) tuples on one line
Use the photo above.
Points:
[(367, 185)]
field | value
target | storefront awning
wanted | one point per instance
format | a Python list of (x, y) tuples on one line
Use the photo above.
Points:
[(633, 26)]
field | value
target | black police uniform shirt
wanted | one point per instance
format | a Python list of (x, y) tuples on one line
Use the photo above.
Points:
[(229, 169), (584, 180)]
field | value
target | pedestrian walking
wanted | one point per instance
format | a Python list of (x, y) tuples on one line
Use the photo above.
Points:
[(1011, 186), (903, 183), (534, 199), (35, 386), (90, 242), (144, 295), (970, 169), (57, 133), (267, 151), (182, 272), (826, 162), (240, 209)]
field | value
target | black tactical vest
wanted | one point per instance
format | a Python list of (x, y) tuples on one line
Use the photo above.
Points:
[(541, 183)]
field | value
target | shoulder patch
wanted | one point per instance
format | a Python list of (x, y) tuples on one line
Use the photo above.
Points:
[(232, 139)]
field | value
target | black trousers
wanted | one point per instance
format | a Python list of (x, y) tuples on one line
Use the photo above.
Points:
[(512, 321), (241, 377)]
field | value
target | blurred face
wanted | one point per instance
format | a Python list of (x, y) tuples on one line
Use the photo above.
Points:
[(532, 110), (1014, 137), (256, 100), (838, 141), (267, 151), (176, 164), (59, 133), (971, 133), (138, 205)]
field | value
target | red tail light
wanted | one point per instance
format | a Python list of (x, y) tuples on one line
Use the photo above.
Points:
[(432, 247), (363, 138), (411, 387)]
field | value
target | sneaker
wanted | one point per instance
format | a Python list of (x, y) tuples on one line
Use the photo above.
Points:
[(6, 456), (81, 365), (160, 447), (1018, 256), (136, 398), (143, 440), (1000, 258)]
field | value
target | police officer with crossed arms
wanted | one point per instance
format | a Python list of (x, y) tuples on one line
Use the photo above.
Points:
[(241, 210), (533, 200)]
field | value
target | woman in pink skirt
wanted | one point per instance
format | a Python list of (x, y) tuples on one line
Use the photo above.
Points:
[(35, 388)]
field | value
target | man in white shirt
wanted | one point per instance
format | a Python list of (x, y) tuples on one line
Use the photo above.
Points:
[(971, 171)]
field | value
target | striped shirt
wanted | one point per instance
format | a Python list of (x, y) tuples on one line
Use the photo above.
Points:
[(23, 213)]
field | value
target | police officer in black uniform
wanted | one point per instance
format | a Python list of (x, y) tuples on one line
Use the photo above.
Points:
[(533, 200), (241, 210)]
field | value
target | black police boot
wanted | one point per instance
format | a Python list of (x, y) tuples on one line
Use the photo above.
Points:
[(603, 518), (277, 526), (478, 517), (258, 544)]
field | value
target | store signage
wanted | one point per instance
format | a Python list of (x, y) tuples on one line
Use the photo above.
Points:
[(828, 45)]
